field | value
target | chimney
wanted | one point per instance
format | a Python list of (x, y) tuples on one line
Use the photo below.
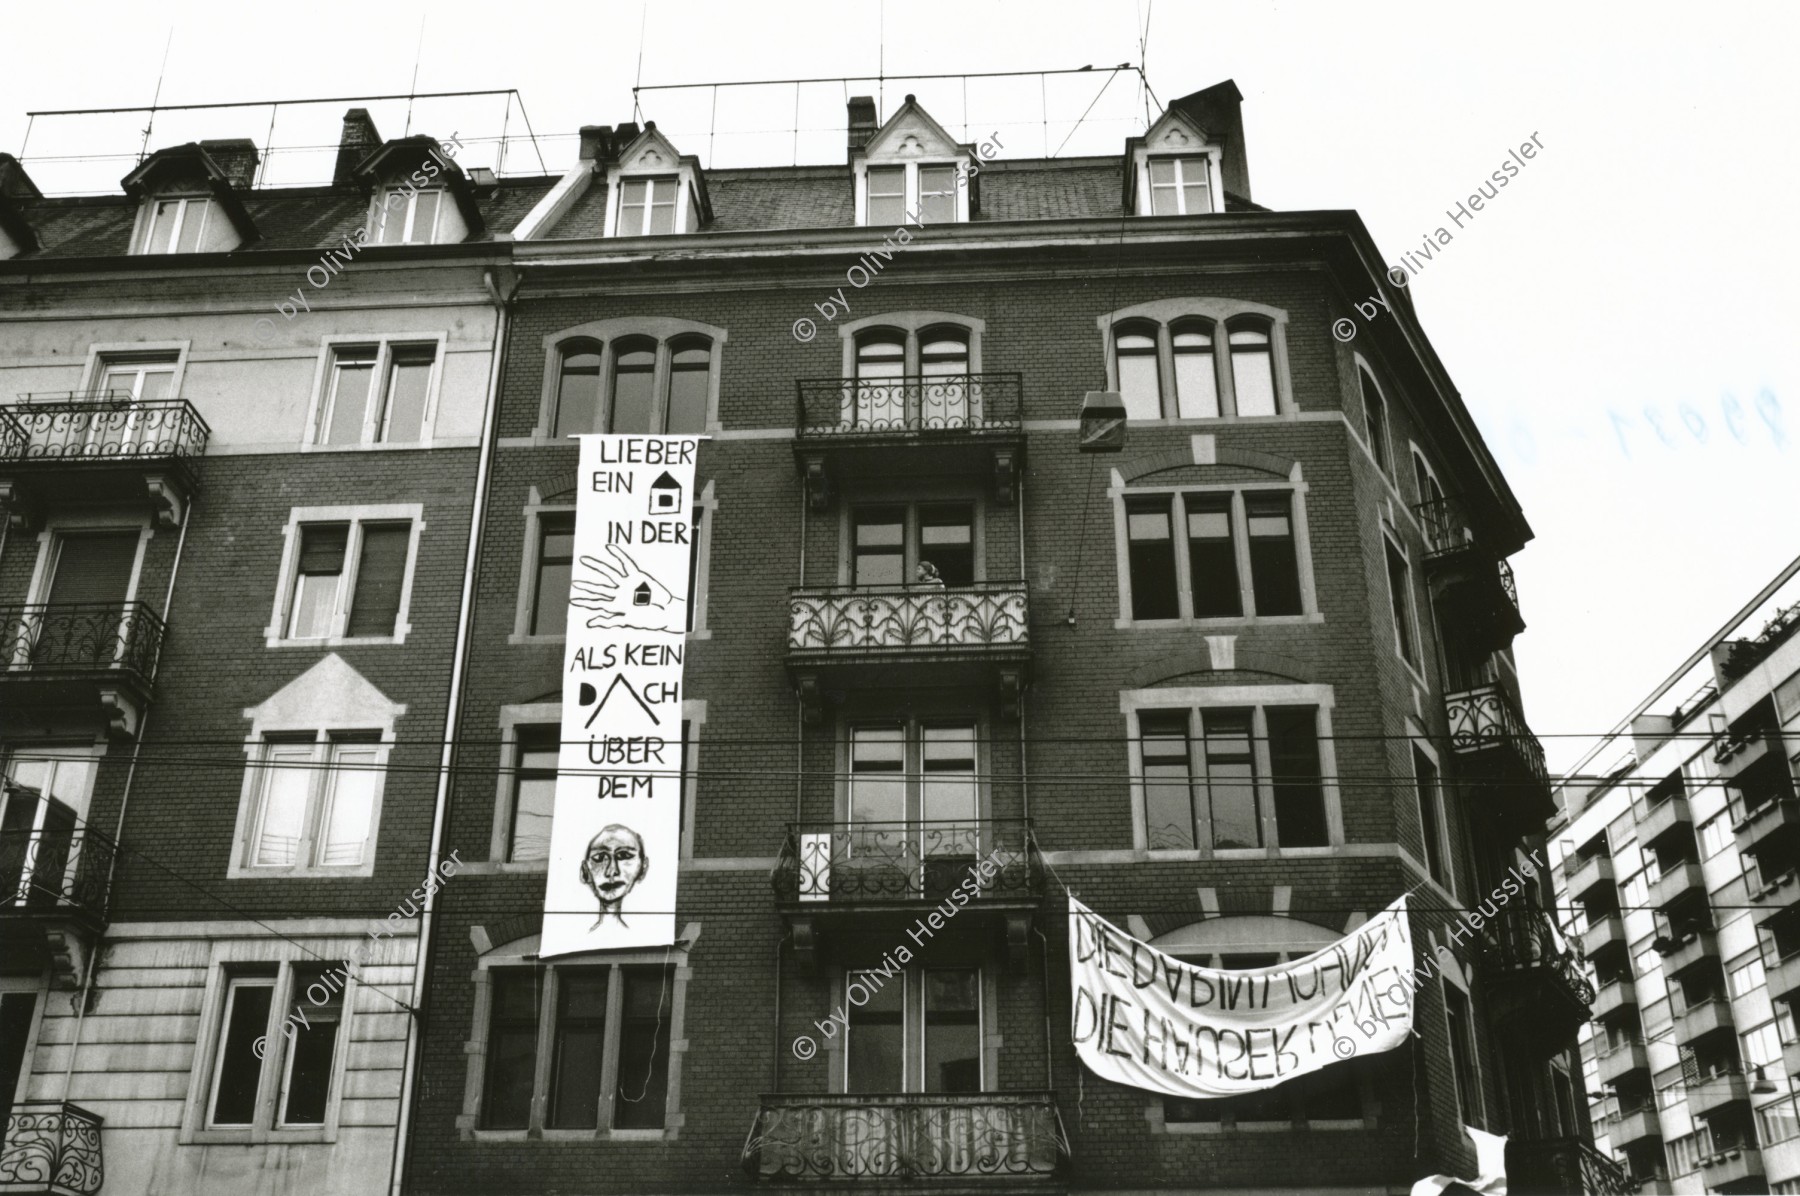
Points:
[(14, 182), (237, 157), (1218, 110), (596, 142), (862, 122), (624, 135), (358, 141)]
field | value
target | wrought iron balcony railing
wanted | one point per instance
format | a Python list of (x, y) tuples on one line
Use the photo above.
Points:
[(51, 1146), (898, 619), (916, 403), (1485, 718), (100, 426), (49, 870), (1524, 939), (81, 638), (1564, 1167), (1011, 1137), (1448, 531), (851, 862)]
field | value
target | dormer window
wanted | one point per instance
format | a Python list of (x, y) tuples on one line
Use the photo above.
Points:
[(176, 225), (911, 171), (407, 217), (1180, 186), (647, 206), (887, 195)]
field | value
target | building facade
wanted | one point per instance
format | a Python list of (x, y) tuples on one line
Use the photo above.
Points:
[(1679, 867), (239, 438), (1238, 685)]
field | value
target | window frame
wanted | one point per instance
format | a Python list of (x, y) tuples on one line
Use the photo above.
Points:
[(521, 956), (1240, 536), (912, 726), (318, 413), (911, 328), (1405, 621), (601, 336), (1182, 161), (1378, 431), (1220, 316), (225, 974), (324, 743), (275, 635), (384, 207), (912, 194), (911, 545), (913, 1022), (1198, 699), (146, 225)]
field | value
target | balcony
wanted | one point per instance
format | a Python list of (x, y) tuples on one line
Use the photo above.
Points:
[(1734, 1169), (954, 423), (1708, 1017), (53, 894), (1694, 945), (856, 888), (1506, 759), (1666, 817), (1534, 980), (1563, 1167), (1678, 885), (1627, 1128), (1623, 1060), (1584, 876), (1604, 937), (1767, 825), (83, 661), (51, 1147), (86, 449), (938, 1142), (880, 637), (1472, 586), (1782, 978), (1611, 999)]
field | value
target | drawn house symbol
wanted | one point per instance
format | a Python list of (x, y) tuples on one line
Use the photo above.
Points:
[(641, 595), (665, 495)]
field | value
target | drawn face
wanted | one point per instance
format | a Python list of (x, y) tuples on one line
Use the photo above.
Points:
[(613, 865)]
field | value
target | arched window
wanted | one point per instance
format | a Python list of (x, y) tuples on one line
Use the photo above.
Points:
[(1375, 413), (1196, 383), (1252, 368), (1138, 380), (578, 389), (633, 385), (878, 397), (945, 391), (690, 373)]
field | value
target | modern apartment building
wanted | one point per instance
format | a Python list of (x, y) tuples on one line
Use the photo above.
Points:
[(240, 428), (1680, 868), (1238, 684)]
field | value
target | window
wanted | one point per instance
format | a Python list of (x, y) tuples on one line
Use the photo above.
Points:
[(1138, 384), (1196, 378), (555, 560), (1778, 1121), (1218, 777), (903, 774), (274, 1054), (937, 194), (408, 216), (1430, 814), (145, 378), (1686, 1152), (535, 758), (929, 1043), (1635, 892), (1762, 1048), (1179, 187), (316, 802), (606, 1034), (651, 386), (887, 195), (1746, 978), (891, 544), (1252, 369), (1375, 413), (1715, 835), (875, 1040), (1239, 556), (176, 225), (647, 206), (377, 394), (1400, 599), (1462, 1054), (350, 580)]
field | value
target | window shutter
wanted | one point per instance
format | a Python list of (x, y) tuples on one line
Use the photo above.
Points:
[(322, 548), (94, 568), (376, 604)]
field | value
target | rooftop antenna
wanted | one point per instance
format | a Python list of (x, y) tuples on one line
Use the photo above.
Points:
[(411, 91), (637, 109), (144, 150)]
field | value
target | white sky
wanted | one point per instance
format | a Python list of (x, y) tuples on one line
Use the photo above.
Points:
[(1639, 264)]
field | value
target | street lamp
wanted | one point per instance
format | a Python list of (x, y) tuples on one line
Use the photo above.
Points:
[(1102, 422)]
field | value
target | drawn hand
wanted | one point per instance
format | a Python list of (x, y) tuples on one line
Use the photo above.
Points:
[(627, 597)]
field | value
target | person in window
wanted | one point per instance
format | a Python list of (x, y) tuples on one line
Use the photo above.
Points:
[(612, 866), (927, 575)]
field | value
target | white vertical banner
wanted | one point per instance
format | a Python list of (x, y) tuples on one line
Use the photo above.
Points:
[(615, 841)]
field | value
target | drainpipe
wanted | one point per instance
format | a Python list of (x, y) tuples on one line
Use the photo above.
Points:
[(452, 711), (87, 980)]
